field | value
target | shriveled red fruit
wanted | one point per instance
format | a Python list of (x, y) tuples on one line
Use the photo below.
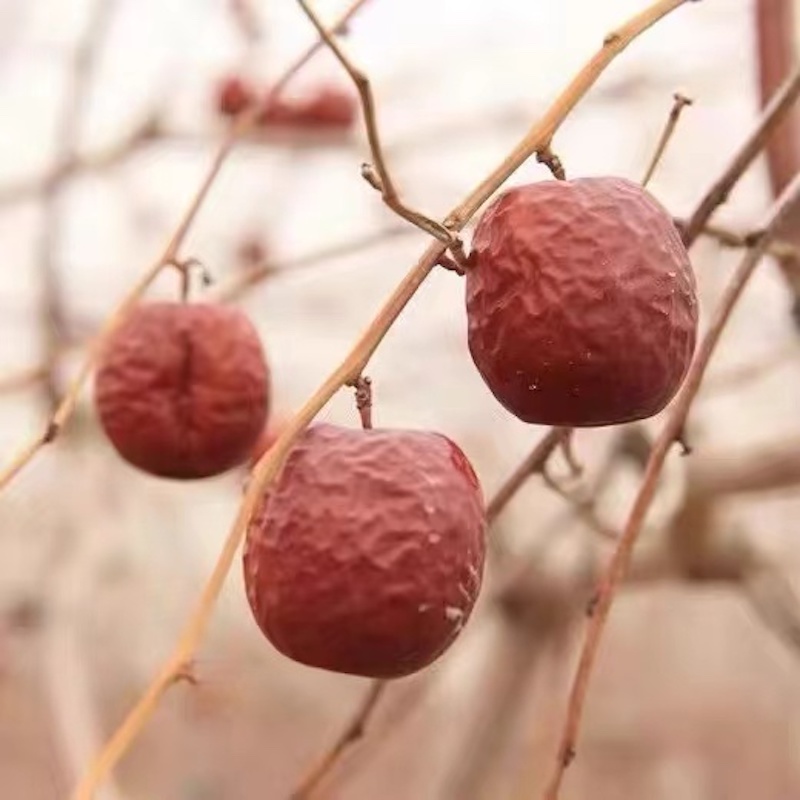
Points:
[(366, 555), (182, 389), (325, 108), (581, 302), (329, 107), (234, 95)]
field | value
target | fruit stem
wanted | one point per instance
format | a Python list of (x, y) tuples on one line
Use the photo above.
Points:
[(539, 137)]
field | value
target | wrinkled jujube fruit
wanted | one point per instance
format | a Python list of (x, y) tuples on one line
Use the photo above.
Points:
[(234, 95), (581, 302), (327, 107), (182, 389), (366, 555)]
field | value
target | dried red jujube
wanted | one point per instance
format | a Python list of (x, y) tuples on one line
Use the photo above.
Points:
[(366, 555), (234, 95), (182, 389), (581, 302)]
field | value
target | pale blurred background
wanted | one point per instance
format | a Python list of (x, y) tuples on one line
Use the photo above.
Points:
[(695, 697)]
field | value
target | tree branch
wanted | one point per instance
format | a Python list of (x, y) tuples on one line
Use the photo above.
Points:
[(350, 368), (618, 565)]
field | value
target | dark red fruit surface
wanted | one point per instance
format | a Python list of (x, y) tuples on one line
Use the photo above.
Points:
[(326, 108), (330, 107), (234, 95), (366, 556), (581, 302), (182, 390)]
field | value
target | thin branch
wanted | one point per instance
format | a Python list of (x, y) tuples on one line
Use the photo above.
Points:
[(532, 464), (235, 288), (779, 248), (22, 379), (377, 174), (67, 132), (349, 369), (352, 732), (679, 103), (540, 136), (763, 468), (584, 507), (568, 451), (777, 109), (618, 565), (66, 167), (169, 257), (776, 28)]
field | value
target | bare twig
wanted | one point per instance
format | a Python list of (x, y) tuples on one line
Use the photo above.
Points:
[(353, 365), (170, 256), (67, 133), (776, 27), (619, 563), (235, 288), (351, 733), (777, 109), (584, 506), (532, 464), (737, 376), (23, 379), (69, 166), (568, 451), (377, 174), (780, 248), (679, 103), (247, 20)]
